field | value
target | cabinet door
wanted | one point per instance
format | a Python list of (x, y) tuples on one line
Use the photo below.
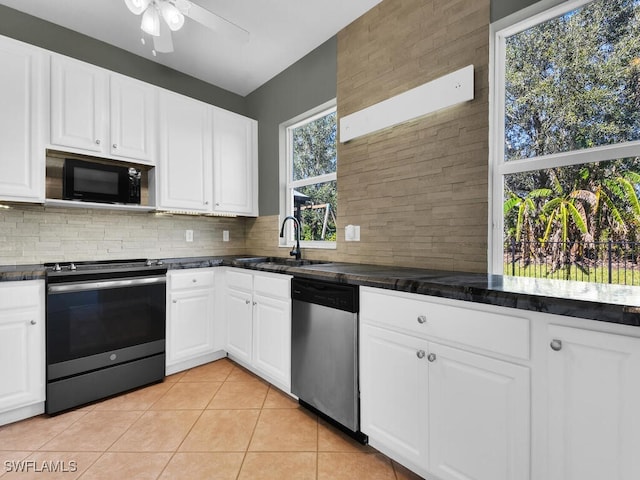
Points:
[(593, 398), (21, 358), (21, 147), (393, 394), (235, 163), (272, 339), (478, 416), (185, 153), (79, 105), (133, 119), (190, 326), (238, 312)]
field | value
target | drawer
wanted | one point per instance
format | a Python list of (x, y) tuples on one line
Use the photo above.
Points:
[(272, 285), (504, 332), (237, 278), (192, 278), (22, 294)]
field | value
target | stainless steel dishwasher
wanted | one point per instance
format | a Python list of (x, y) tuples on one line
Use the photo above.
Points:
[(324, 351)]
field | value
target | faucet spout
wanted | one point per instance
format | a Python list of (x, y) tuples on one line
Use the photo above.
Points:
[(295, 252)]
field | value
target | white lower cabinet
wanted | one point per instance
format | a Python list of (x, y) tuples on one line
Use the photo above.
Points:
[(393, 394), (593, 397), (190, 319), (258, 323), (441, 410), (22, 366)]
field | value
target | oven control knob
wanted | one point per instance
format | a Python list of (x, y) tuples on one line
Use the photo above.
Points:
[(147, 263), (113, 356), (72, 267), (56, 267)]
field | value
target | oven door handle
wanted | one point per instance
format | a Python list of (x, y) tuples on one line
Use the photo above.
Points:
[(102, 285)]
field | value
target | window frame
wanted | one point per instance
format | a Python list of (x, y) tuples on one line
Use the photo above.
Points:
[(499, 31), (287, 184)]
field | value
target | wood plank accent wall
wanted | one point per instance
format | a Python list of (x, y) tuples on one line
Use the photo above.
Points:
[(419, 191)]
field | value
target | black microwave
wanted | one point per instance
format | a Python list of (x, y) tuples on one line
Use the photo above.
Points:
[(98, 182)]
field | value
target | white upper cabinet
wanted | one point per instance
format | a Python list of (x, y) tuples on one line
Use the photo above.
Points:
[(235, 175), (79, 105), (133, 119), (593, 398), (183, 178), (23, 101), (97, 112)]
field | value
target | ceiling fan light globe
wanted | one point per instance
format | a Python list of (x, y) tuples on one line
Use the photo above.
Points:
[(151, 22), (137, 6), (173, 16)]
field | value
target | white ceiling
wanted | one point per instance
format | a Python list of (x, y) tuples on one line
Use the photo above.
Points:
[(280, 33)]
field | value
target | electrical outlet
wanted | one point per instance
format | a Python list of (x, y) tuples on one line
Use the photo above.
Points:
[(188, 235), (225, 235)]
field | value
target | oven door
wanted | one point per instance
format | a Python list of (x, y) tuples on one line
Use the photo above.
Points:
[(99, 323)]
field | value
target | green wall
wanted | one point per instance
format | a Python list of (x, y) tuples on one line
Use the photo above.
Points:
[(52, 37)]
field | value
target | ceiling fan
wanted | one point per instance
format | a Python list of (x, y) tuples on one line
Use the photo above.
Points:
[(161, 17)]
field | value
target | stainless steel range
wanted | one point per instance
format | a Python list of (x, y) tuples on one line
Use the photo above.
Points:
[(105, 329)]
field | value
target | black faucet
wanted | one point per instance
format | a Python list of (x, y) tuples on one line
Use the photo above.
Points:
[(296, 250)]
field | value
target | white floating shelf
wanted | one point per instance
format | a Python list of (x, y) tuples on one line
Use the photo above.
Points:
[(443, 92)]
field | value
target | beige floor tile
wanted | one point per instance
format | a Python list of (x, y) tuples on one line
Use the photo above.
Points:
[(403, 473), (285, 430), (277, 399), (354, 466), (239, 374), (55, 466), (217, 371), (221, 431), (330, 439), (175, 377), (159, 431), (94, 432), (279, 466), (33, 433), (130, 466), (239, 395), (187, 396), (201, 466), (141, 399)]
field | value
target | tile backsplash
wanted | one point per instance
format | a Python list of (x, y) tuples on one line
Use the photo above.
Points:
[(37, 234)]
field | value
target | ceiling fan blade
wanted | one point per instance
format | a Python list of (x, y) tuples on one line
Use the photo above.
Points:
[(213, 21), (163, 42)]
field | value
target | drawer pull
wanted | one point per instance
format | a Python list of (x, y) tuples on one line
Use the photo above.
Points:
[(194, 280), (422, 319), (431, 357), (420, 353), (556, 345)]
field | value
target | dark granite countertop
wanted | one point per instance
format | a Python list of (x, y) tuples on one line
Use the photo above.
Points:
[(602, 302)]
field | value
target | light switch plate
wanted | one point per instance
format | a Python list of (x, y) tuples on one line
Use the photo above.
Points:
[(225, 235), (188, 235)]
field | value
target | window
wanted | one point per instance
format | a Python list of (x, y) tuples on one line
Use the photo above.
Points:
[(566, 143), (310, 186)]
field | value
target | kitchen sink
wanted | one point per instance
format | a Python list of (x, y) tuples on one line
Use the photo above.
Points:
[(277, 261)]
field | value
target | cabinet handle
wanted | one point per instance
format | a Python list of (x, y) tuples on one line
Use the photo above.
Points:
[(33, 322), (175, 301), (556, 345), (422, 319), (255, 303), (420, 354), (431, 357), (115, 145), (247, 302), (195, 280), (97, 141)]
